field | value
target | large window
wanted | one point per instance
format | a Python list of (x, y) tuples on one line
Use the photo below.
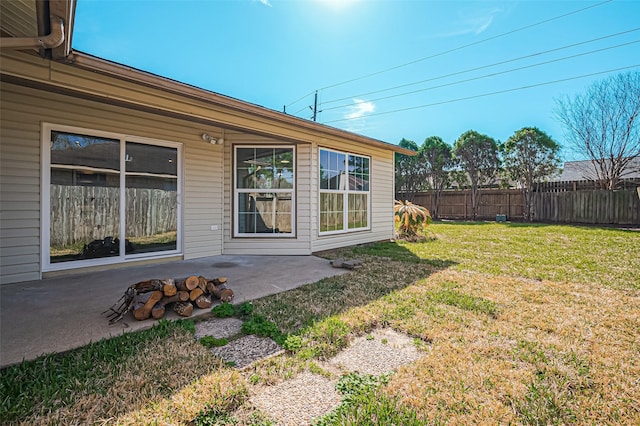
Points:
[(109, 197), (344, 192), (264, 188)]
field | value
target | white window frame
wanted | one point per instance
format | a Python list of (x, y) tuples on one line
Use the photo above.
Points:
[(45, 202), (345, 192), (237, 191)]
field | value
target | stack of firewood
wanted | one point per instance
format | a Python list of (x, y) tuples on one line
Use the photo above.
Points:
[(151, 298)]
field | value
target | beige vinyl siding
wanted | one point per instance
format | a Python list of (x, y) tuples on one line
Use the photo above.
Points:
[(381, 192), (305, 193), (19, 192), (24, 109), (298, 245), (202, 205), (89, 83)]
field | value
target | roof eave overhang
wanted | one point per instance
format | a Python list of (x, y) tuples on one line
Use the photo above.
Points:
[(115, 70), (65, 10)]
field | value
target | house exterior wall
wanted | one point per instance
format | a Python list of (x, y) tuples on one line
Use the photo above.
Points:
[(19, 191), (382, 195), (24, 109), (39, 91), (298, 245), (308, 239)]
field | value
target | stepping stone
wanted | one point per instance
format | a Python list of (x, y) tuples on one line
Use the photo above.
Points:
[(299, 400), (245, 350), (372, 356), (220, 328), (347, 264)]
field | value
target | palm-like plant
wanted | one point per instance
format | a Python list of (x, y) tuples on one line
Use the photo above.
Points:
[(413, 218)]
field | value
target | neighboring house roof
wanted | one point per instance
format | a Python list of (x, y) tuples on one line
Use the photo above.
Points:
[(586, 170), (47, 13)]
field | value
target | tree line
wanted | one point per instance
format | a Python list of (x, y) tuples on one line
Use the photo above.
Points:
[(602, 125)]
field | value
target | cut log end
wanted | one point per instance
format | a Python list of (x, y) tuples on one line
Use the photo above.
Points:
[(191, 282), (184, 309), (158, 311), (202, 283), (169, 287), (203, 301), (226, 295), (195, 293)]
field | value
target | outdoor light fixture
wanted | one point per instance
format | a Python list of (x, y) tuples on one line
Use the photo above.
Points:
[(214, 141)]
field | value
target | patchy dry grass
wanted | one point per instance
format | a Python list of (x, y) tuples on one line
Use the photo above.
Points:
[(556, 353), (102, 381), (302, 307), (518, 324)]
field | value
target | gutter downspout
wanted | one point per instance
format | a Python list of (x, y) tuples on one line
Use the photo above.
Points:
[(54, 39)]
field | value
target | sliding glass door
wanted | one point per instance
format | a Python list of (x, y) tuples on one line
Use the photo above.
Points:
[(109, 198), (85, 197), (151, 198)]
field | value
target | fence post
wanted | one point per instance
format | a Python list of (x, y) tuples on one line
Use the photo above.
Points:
[(465, 206)]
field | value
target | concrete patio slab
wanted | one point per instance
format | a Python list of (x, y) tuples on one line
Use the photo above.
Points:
[(62, 313)]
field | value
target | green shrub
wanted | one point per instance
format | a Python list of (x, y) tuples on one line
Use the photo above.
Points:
[(292, 343), (223, 310), (210, 341), (260, 326), (245, 309)]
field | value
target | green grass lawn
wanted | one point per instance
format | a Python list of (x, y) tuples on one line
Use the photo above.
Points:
[(550, 252), (519, 324)]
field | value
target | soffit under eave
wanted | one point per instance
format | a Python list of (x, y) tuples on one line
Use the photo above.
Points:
[(18, 18), (32, 19)]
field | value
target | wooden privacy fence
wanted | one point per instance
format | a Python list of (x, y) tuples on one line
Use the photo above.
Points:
[(86, 213), (620, 207), (457, 204)]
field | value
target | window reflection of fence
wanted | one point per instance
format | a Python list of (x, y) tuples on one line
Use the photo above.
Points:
[(275, 212), (86, 213)]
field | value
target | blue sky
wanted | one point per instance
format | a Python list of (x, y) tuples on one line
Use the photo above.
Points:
[(387, 69)]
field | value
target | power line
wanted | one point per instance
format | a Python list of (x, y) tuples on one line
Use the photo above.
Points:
[(487, 94), (480, 67), (457, 48), (489, 75), (301, 98)]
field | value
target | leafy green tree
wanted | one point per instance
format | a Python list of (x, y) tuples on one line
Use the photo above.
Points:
[(438, 160), (410, 171), (530, 157), (478, 156), (603, 125)]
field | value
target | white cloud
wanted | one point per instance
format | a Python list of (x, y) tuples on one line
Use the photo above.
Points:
[(482, 24), (359, 108), (265, 2), (474, 23)]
